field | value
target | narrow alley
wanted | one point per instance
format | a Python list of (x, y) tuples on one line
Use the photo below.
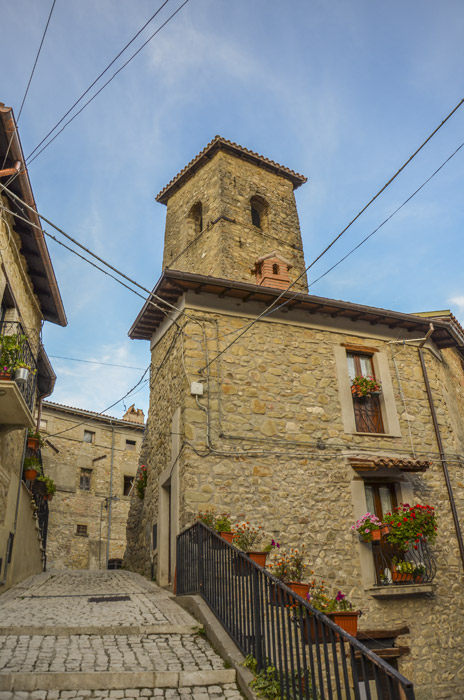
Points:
[(103, 634)]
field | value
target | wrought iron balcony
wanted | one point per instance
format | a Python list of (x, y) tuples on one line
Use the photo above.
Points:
[(16, 396), (394, 566)]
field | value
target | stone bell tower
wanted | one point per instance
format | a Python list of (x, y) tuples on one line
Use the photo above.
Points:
[(227, 210)]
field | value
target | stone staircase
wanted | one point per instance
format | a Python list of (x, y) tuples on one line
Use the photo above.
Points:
[(104, 634)]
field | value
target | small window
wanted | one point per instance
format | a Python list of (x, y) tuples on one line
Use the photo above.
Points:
[(128, 481), (367, 411), (196, 215), (255, 217), (131, 445), (81, 530), (43, 424), (89, 436), (259, 210), (85, 478), (275, 269), (114, 563)]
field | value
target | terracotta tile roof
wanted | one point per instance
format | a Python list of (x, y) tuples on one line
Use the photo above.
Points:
[(374, 463), (51, 405), (220, 143)]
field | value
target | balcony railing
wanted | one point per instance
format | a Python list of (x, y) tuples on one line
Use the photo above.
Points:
[(24, 354), (39, 497), (394, 566), (307, 654)]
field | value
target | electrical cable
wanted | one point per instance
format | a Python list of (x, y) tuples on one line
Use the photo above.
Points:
[(29, 84), (327, 248), (105, 409), (98, 78), (93, 362), (364, 240), (29, 160), (87, 250)]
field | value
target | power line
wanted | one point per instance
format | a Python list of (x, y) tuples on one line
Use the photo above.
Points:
[(30, 160), (93, 362), (29, 83), (98, 78), (382, 189), (87, 250), (364, 240), (105, 409)]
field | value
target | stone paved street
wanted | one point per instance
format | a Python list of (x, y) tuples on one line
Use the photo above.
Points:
[(103, 634)]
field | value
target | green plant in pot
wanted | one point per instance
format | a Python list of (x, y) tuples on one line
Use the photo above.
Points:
[(35, 439), (411, 525), (49, 484), (32, 467), (222, 523), (10, 352)]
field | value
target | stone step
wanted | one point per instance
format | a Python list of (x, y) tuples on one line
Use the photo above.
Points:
[(122, 680), (100, 630)]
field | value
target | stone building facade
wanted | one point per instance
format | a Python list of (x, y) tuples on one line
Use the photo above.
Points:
[(274, 434), (29, 295), (93, 460)]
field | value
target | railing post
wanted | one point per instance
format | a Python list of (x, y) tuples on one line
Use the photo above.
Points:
[(200, 560), (257, 614)]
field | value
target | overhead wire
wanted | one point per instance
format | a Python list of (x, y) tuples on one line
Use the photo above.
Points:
[(98, 77), (84, 248), (30, 160), (329, 246), (93, 362), (29, 83)]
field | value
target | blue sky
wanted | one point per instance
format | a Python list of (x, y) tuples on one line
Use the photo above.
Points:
[(340, 91)]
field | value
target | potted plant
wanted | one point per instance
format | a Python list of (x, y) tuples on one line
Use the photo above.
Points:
[(21, 372), (207, 517), (402, 570), (10, 352), (34, 440), (246, 537), (223, 526), (49, 485), (365, 387), (337, 607), (296, 571), (31, 467), (142, 480), (368, 527), (411, 525)]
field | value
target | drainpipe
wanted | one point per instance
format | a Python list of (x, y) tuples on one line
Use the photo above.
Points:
[(110, 499), (442, 454), (11, 171)]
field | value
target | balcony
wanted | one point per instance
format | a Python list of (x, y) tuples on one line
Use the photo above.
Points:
[(16, 399), (403, 572)]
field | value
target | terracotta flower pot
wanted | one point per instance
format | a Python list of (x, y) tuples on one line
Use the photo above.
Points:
[(347, 620), (30, 474), (258, 557), (6, 376), (398, 577), (33, 443), (227, 536), (384, 530), (375, 535), (301, 589)]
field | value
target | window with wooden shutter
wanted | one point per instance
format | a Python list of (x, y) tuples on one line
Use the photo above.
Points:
[(367, 410)]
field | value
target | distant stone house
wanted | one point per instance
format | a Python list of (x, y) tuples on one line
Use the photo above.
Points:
[(29, 295), (93, 460), (252, 412)]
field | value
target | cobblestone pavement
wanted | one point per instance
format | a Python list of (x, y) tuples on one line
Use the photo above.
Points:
[(212, 692), (57, 599), (77, 624)]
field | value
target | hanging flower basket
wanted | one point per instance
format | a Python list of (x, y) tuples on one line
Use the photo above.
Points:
[(365, 387)]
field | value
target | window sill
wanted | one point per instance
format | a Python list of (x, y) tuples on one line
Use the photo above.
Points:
[(379, 435), (398, 590)]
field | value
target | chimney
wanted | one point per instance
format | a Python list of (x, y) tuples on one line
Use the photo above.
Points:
[(134, 415)]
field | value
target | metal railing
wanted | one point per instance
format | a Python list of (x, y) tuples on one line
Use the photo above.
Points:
[(305, 652), (24, 354), (39, 496), (394, 566)]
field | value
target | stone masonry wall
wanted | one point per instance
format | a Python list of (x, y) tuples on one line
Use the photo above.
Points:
[(71, 505), (272, 401), (12, 443), (229, 247)]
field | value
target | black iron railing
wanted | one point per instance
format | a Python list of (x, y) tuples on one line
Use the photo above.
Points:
[(309, 655), (394, 566), (25, 354), (40, 499)]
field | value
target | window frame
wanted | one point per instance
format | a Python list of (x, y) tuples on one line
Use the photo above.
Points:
[(92, 437), (131, 445), (125, 483), (382, 372), (82, 530), (366, 410), (83, 476)]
